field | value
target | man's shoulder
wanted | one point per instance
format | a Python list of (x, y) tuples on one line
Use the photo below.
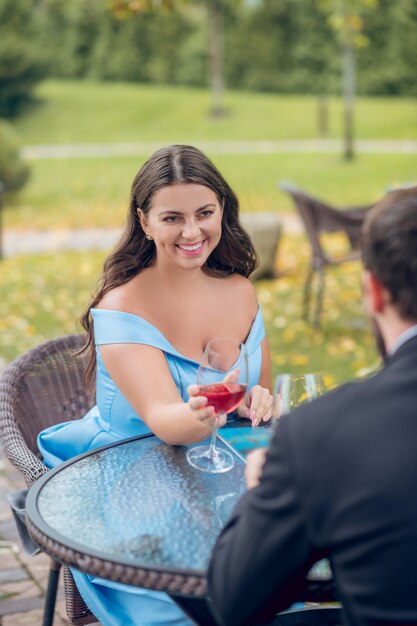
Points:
[(312, 423), (336, 399)]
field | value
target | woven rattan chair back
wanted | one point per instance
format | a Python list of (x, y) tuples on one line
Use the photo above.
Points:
[(40, 388), (317, 218)]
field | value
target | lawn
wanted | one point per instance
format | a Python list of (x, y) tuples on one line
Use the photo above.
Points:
[(42, 297), (83, 112), (82, 192), (78, 193)]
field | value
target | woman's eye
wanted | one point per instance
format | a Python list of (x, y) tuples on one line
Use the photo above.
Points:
[(170, 218), (206, 213)]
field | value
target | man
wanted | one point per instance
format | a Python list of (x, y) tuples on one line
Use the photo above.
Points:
[(340, 477)]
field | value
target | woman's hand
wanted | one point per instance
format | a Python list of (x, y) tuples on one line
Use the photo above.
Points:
[(257, 406), (202, 412)]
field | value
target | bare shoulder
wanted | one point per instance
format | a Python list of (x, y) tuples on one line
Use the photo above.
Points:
[(243, 285), (241, 288), (121, 298)]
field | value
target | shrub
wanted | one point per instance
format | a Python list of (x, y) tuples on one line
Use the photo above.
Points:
[(14, 172), (22, 60)]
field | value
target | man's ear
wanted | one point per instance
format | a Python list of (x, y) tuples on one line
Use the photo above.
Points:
[(375, 293)]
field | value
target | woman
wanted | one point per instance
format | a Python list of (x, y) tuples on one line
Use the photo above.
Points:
[(177, 278)]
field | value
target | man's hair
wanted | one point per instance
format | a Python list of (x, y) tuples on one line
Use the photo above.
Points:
[(389, 248)]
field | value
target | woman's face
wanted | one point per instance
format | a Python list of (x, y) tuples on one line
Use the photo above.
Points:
[(185, 222)]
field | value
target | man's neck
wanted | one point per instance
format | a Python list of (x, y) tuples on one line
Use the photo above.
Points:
[(410, 331), (393, 327)]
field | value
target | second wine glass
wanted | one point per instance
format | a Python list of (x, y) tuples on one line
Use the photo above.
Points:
[(222, 378), (295, 389)]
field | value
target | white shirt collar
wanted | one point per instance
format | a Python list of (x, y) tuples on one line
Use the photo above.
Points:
[(405, 336)]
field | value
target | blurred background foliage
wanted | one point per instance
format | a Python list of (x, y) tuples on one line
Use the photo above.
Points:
[(23, 60), (114, 72), (43, 297), (14, 171), (285, 46)]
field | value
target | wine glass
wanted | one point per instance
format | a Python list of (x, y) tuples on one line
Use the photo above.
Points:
[(295, 389), (222, 378)]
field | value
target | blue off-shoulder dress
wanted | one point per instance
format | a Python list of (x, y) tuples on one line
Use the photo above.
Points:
[(114, 419)]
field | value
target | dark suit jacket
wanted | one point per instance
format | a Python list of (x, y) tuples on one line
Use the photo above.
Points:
[(340, 482)]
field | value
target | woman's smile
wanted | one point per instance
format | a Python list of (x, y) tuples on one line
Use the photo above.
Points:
[(192, 249)]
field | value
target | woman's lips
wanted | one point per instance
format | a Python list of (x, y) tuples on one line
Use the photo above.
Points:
[(191, 249)]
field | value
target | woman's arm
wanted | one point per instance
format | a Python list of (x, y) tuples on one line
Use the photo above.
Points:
[(142, 375)]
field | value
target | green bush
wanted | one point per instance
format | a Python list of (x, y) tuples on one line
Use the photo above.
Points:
[(14, 172), (22, 61), (284, 46)]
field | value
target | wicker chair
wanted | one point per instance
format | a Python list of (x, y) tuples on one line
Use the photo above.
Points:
[(319, 217), (40, 388)]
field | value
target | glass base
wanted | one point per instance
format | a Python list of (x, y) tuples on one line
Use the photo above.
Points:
[(212, 461)]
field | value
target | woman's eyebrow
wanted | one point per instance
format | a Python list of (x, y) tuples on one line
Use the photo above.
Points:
[(206, 206), (175, 212)]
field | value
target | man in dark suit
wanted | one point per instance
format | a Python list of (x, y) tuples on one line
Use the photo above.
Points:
[(340, 476)]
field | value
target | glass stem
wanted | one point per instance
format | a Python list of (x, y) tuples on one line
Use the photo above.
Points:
[(212, 448)]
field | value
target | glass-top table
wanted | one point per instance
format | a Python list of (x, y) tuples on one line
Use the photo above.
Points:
[(138, 503), (136, 512)]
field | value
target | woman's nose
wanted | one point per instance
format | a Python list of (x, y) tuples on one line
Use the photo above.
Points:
[(191, 230)]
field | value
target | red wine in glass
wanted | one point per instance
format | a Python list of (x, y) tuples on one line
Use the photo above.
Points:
[(224, 397), (222, 378)]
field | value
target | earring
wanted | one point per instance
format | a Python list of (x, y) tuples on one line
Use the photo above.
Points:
[(148, 238)]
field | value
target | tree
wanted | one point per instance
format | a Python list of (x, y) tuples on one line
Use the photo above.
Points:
[(346, 17), (215, 13), (14, 172), (22, 65), (295, 51), (215, 19), (387, 65)]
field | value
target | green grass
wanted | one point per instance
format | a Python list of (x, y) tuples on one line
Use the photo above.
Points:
[(42, 297), (79, 193), (85, 192), (83, 112)]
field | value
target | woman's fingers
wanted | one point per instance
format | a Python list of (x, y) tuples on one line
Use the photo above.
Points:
[(202, 412), (198, 404), (243, 410), (264, 411), (258, 405)]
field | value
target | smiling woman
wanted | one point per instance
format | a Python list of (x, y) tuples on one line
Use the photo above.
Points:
[(185, 223), (177, 279)]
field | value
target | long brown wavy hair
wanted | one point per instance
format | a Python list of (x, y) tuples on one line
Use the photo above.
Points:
[(168, 166)]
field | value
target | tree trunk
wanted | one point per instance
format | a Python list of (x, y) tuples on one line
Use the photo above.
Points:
[(348, 89), (2, 189), (323, 116), (216, 57)]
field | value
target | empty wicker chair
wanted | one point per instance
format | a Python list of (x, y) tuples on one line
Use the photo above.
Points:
[(319, 217), (43, 387)]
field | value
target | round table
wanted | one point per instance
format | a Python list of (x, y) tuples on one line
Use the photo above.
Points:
[(136, 512)]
